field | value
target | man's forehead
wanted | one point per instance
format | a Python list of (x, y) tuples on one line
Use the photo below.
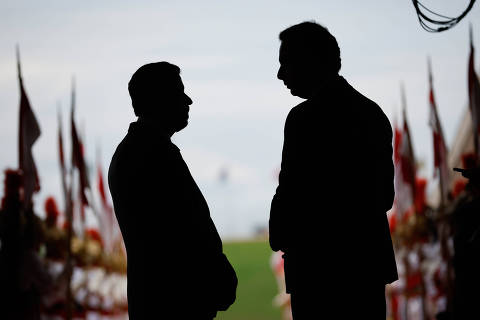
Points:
[(294, 52), (174, 83), (288, 51)]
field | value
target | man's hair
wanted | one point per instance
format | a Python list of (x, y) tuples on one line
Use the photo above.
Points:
[(149, 82), (316, 40)]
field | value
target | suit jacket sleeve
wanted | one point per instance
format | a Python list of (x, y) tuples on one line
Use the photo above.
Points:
[(385, 193), (281, 202), (384, 175)]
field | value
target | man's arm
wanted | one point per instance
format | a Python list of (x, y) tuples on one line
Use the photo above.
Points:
[(385, 194), (279, 210), (384, 178), (276, 224)]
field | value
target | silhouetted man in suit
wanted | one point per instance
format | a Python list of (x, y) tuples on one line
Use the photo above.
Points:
[(335, 186), (176, 268)]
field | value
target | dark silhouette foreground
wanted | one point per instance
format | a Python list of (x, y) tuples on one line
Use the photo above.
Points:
[(336, 183), (176, 268), (466, 241)]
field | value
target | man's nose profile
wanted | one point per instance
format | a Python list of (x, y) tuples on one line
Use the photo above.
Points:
[(280, 73)]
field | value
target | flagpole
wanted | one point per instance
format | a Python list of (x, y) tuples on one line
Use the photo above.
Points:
[(20, 126), (104, 215), (28, 133), (444, 233), (20, 122), (475, 134), (68, 213), (61, 153), (471, 92), (442, 218), (69, 266), (412, 177), (406, 130), (19, 70)]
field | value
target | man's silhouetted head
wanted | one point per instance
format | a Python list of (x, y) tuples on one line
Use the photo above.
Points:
[(158, 96), (309, 57)]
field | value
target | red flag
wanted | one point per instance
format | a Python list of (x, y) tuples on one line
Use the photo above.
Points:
[(420, 195), (63, 170), (403, 195), (101, 186), (392, 220), (82, 204), (397, 139), (103, 195), (474, 97), (407, 157), (403, 199), (78, 160), (29, 131), (60, 143), (439, 146), (107, 218)]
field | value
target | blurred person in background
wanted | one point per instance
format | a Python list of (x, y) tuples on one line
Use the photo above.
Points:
[(26, 284)]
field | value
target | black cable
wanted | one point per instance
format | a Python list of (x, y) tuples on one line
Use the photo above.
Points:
[(438, 25), (432, 12)]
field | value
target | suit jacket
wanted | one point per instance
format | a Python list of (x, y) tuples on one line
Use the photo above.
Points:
[(336, 183), (176, 267)]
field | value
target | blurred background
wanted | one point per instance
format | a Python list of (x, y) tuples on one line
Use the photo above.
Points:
[(228, 53)]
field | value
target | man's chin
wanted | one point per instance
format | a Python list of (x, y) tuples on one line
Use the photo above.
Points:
[(181, 126), (297, 93)]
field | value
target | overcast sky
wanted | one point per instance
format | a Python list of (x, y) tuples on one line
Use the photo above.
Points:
[(228, 53)]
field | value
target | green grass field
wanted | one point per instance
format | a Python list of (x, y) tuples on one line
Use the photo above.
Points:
[(256, 283)]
